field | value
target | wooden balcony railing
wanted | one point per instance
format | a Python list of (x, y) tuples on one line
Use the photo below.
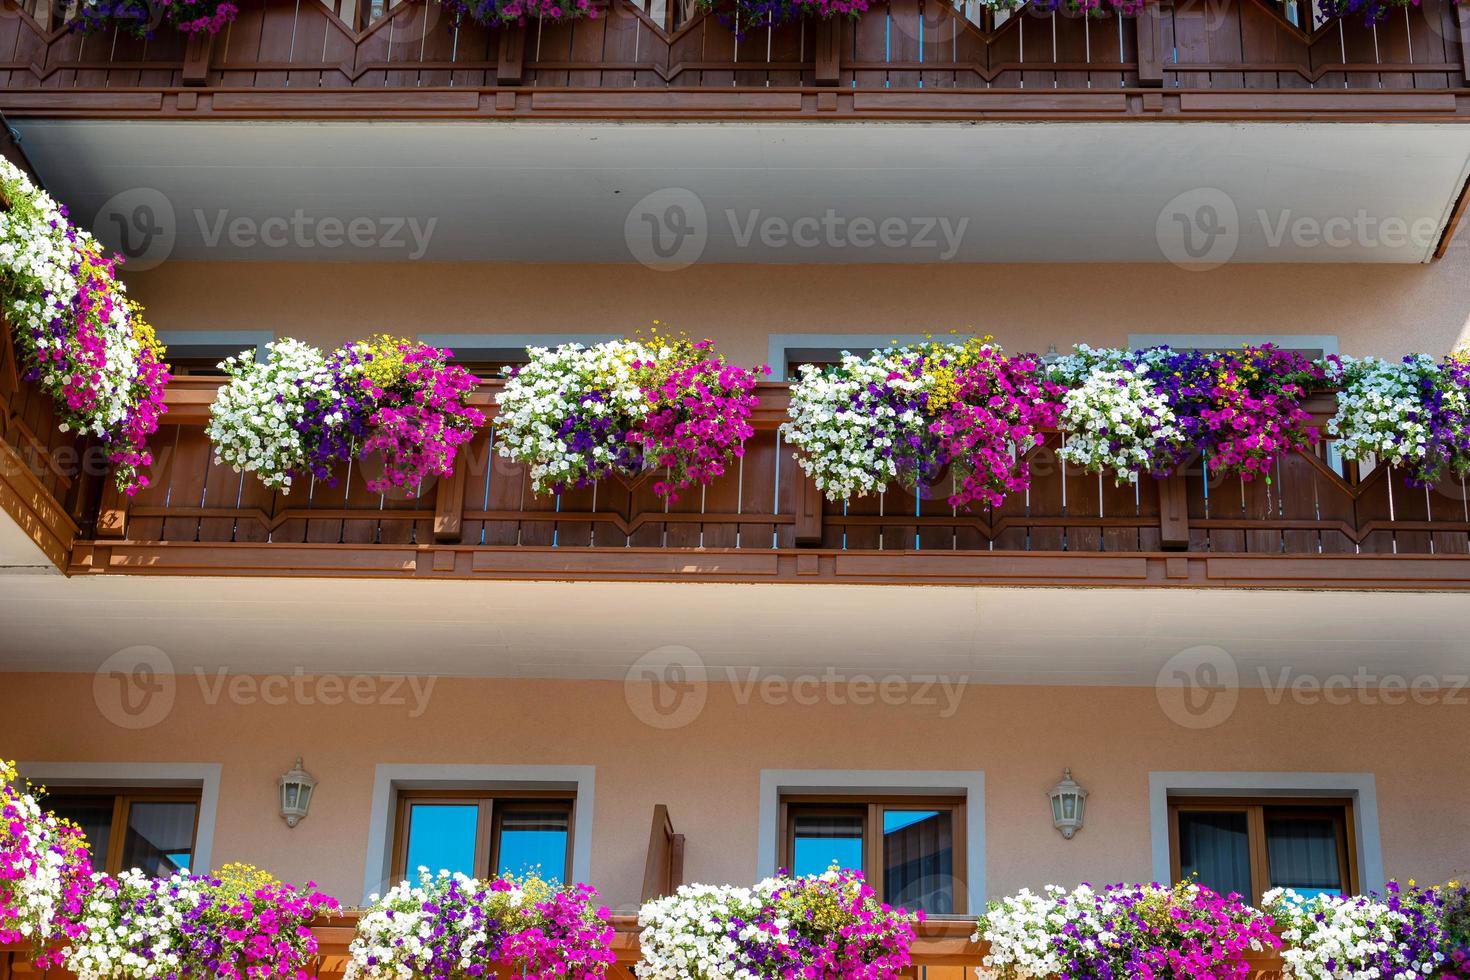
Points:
[(904, 59), (764, 521), (944, 951)]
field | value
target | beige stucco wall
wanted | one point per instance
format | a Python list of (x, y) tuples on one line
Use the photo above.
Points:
[(1373, 309), (708, 772)]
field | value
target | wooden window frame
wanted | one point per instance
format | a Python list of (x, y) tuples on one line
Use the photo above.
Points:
[(123, 798), (1255, 809), (487, 821), (871, 808)]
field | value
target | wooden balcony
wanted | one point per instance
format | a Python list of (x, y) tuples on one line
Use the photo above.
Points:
[(765, 522), (658, 59), (943, 951)]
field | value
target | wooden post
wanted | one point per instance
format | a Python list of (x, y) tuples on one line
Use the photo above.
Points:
[(828, 43), (112, 511), (1149, 24), (1173, 513), (511, 67), (808, 512), (449, 507), (196, 58)]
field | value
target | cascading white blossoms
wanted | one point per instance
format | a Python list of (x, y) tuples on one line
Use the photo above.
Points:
[(549, 390), (39, 249), (1329, 938), (686, 935), (1380, 409), (1022, 929), (253, 421), (845, 448), (1113, 416), (143, 944)]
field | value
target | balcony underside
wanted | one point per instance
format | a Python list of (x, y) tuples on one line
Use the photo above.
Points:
[(573, 192), (907, 59)]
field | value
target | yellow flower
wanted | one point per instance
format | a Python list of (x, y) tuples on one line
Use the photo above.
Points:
[(384, 367), (143, 331)]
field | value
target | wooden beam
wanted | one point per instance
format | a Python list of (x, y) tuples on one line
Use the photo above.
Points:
[(828, 53), (196, 58), (510, 67), (1149, 25), (112, 511), (1456, 216), (449, 505), (808, 513), (1173, 513)]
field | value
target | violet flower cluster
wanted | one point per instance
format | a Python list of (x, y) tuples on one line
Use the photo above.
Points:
[(820, 926), (1122, 932), (78, 335), (670, 408), (239, 925), (495, 13), (453, 927)]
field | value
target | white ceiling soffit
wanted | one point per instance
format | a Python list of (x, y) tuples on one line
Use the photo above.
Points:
[(1193, 193), (591, 630)]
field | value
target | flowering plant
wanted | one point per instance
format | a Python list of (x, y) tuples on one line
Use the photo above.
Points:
[(829, 925), (904, 414), (745, 15), (45, 872), (140, 18), (1184, 931), (577, 414), (451, 927), (79, 337), (1333, 937), (1148, 411), (239, 924), (1093, 8), (1413, 414), (496, 13), (255, 421), (299, 412)]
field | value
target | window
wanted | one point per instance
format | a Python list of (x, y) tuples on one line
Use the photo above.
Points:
[(154, 830), (484, 834), (488, 363), (910, 848), (787, 352), (1251, 846), (198, 353)]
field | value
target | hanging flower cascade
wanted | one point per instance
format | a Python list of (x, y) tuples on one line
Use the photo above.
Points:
[(1151, 410), (1405, 932), (142, 18), (1186, 932), (668, 406), (238, 924), (300, 413), (453, 927), (45, 873), (76, 332), (905, 414), (829, 925), (908, 415)]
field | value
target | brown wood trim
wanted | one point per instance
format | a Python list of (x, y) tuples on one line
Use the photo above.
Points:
[(1173, 513), (663, 870), (736, 104), (1458, 213), (123, 798), (449, 505)]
